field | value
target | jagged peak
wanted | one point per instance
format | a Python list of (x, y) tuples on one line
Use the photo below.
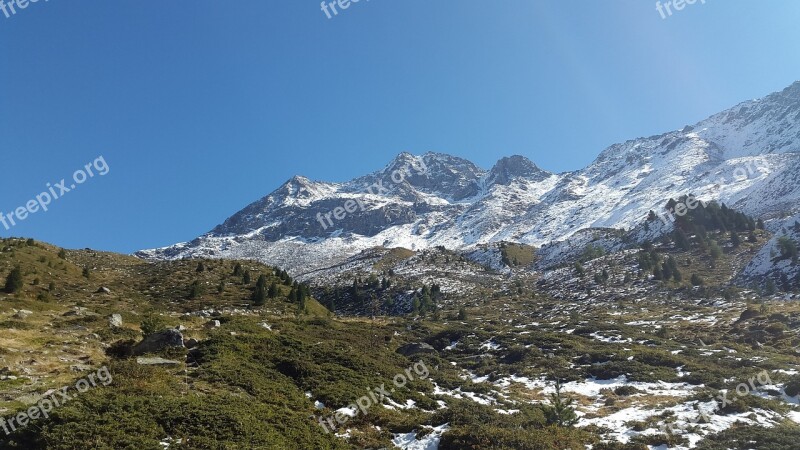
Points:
[(510, 167)]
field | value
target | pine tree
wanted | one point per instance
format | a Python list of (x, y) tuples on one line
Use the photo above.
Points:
[(714, 251), (770, 288), (681, 240), (560, 411), (657, 273), (735, 241), (14, 281), (666, 271), (195, 290), (273, 290), (200, 267), (462, 313), (697, 280), (237, 270), (246, 277), (785, 285), (760, 224)]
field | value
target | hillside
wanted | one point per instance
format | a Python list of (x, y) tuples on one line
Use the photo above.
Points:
[(484, 362)]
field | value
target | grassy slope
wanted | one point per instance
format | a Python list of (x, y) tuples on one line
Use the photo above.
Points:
[(247, 385)]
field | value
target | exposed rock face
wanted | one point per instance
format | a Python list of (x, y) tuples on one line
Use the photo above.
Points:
[(159, 341), (416, 348)]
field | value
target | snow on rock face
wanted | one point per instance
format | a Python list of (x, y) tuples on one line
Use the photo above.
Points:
[(747, 157)]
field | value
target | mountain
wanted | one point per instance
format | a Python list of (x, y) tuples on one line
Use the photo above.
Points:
[(747, 157)]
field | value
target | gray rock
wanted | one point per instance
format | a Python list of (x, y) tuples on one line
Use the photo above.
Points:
[(191, 343), (115, 321), (213, 324), (22, 314), (156, 361), (415, 348), (159, 341), (103, 290)]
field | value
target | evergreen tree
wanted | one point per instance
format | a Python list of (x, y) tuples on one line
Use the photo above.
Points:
[(657, 273), (200, 267), (462, 313), (666, 271), (426, 302), (415, 305), (273, 290), (14, 281), (770, 289), (760, 224), (697, 280), (681, 240), (752, 237), (579, 270), (560, 411), (260, 293), (237, 270), (788, 248), (714, 251), (195, 290), (246, 277), (786, 286), (735, 240)]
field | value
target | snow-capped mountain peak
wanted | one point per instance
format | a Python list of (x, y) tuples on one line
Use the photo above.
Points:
[(747, 156)]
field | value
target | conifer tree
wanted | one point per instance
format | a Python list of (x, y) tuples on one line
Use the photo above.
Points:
[(14, 281)]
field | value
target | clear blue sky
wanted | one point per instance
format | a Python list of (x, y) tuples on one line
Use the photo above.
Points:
[(200, 107)]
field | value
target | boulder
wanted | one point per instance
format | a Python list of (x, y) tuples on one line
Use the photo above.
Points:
[(159, 341), (415, 348), (213, 324), (22, 314), (115, 321), (103, 290)]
